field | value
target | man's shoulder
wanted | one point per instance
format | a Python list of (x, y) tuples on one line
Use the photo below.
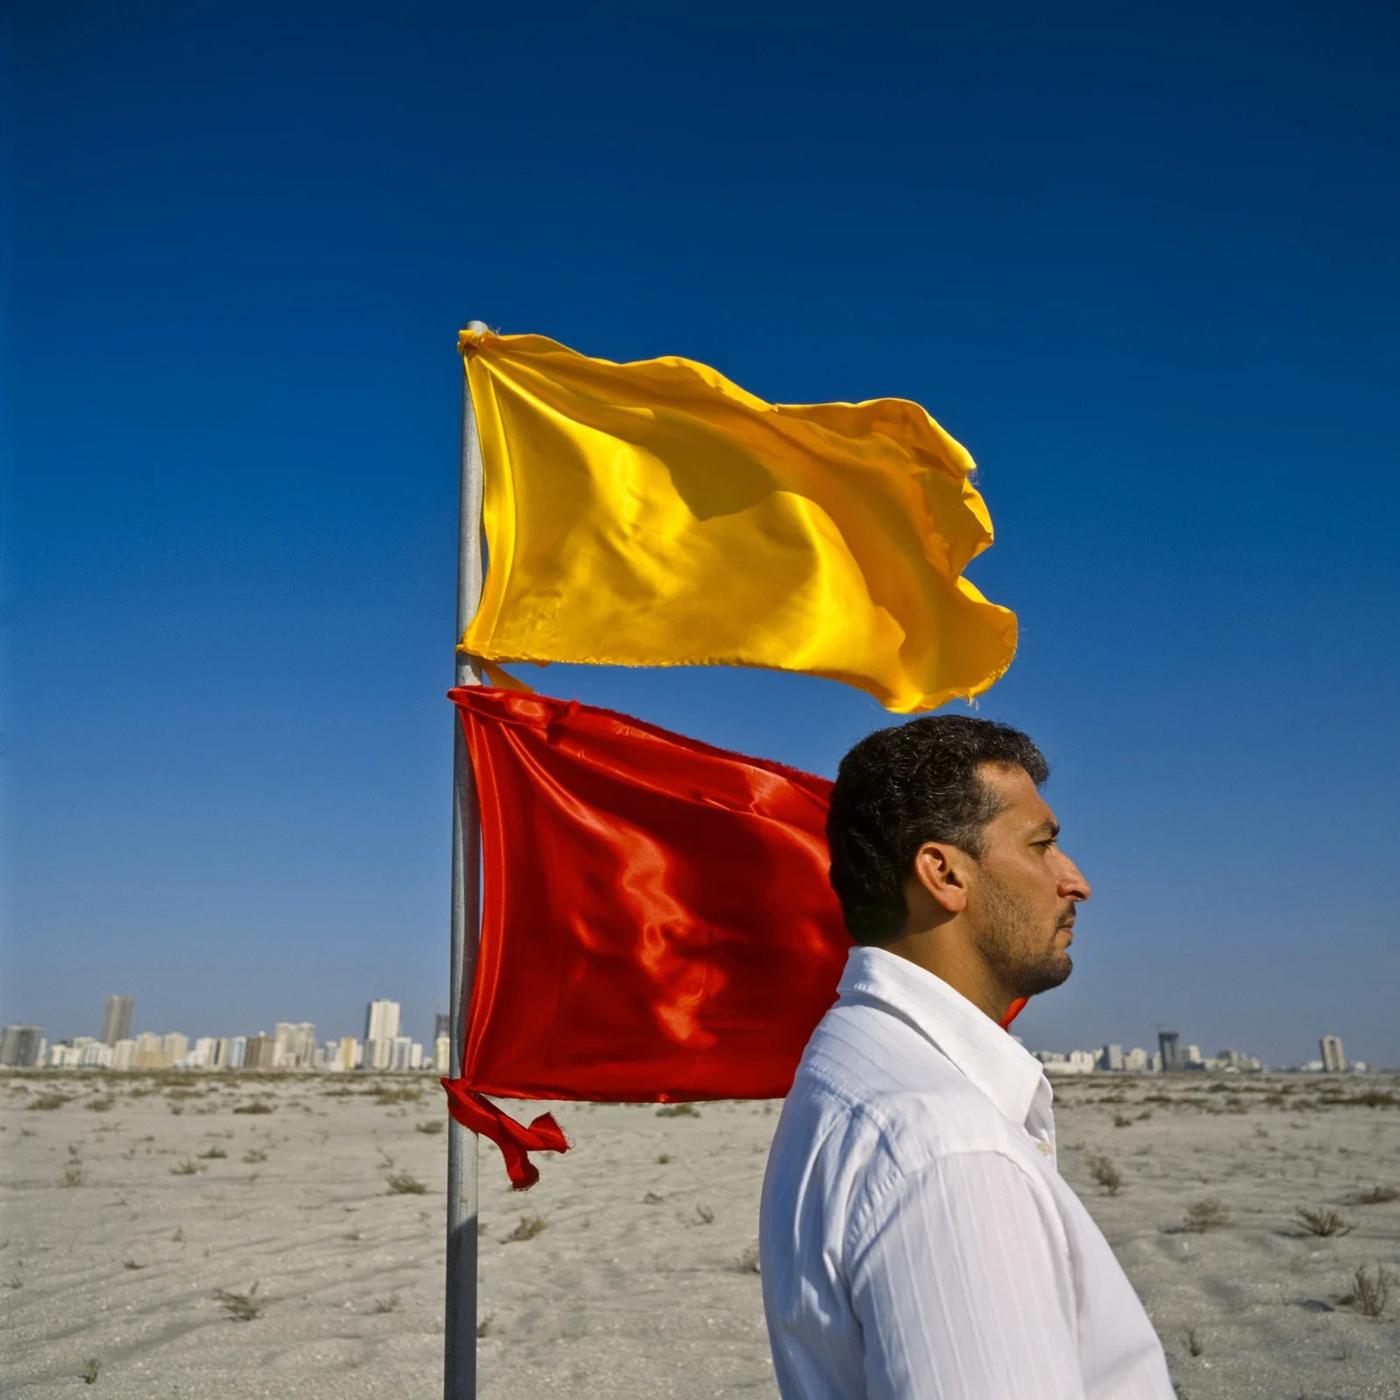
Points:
[(870, 1076)]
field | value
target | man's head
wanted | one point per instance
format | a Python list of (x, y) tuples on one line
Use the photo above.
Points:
[(937, 825)]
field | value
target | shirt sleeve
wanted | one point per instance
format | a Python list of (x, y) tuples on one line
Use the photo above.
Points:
[(961, 1283)]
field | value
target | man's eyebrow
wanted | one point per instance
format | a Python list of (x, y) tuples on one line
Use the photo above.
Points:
[(1049, 826)]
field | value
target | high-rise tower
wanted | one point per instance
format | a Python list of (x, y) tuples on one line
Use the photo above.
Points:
[(116, 1020)]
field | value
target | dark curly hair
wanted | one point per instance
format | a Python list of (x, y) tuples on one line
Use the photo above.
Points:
[(903, 786)]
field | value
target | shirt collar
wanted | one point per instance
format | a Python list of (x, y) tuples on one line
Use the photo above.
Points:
[(1003, 1070)]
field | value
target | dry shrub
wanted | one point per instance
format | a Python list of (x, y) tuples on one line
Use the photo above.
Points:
[(678, 1110), (1376, 1196), (1104, 1173), (1324, 1222), (1370, 1292), (242, 1307), (529, 1227), (1206, 1215)]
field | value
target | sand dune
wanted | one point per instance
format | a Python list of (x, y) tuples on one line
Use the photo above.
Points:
[(157, 1229)]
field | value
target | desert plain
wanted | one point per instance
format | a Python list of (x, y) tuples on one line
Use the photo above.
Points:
[(172, 1236)]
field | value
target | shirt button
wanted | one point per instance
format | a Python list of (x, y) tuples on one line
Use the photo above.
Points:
[(1043, 1146)]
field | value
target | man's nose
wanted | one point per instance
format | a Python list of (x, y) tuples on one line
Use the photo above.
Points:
[(1072, 884)]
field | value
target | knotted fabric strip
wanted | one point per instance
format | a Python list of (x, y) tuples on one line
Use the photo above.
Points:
[(481, 1116)]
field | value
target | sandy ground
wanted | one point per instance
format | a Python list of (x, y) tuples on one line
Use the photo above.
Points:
[(185, 1248)]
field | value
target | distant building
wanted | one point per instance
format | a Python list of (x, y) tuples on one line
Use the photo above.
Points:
[(442, 1025), (1154, 1062), (237, 1051), (296, 1045), (1135, 1060), (260, 1052), (1169, 1050), (382, 1020), (116, 1020), (1193, 1055), (442, 1054), (381, 1031), (346, 1054), (1334, 1060), (123, 1054), (1111, 1057), (149, 1052), (175, 1047), (21, 1047)]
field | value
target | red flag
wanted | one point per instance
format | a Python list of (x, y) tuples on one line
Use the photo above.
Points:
[(657, 923)]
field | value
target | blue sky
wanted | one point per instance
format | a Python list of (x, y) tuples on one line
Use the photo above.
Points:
[(1142, 264)]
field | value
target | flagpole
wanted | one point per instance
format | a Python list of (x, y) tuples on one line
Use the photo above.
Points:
[(459, 1323)]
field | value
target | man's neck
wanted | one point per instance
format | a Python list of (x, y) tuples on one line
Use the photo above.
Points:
[(940, 952)]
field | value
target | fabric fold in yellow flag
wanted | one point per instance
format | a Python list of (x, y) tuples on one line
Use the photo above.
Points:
[(656, 514)]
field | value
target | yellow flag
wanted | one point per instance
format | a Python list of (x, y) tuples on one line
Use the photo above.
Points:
[(656, 514)]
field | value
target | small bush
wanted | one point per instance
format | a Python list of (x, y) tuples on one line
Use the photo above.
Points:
[(403, 1184), (258, 1107), (1206, 1215), (1121, 1120), (747, 1263), (678, 1110), (186, 1168), (386, 1097), (1370, 1293), (242, 1307), (436, 1125), (100, 1105), (1376, 1196), (483, 1327), (1103, 1173), (253, 1155), (1322, 1222), (704, 1215), (48, 1101), (88, 1375), (529, 1227), (1373, 1098), (387, 1305), (1194, 1344), (213, 1154), (73, 1174)]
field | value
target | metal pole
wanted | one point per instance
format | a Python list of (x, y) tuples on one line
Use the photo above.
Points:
[(459, 1362)]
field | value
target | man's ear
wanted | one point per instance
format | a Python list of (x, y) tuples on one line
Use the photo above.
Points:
[(940, 873)]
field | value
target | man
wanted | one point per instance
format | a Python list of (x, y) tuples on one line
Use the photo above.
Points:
[(916, 1238)]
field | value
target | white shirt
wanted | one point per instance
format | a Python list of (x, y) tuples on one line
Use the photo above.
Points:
[(916, 1238)]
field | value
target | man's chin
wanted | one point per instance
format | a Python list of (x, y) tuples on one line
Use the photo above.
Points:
[(1048, 975)]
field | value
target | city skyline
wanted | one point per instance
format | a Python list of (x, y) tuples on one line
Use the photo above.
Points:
[(382, 1018)]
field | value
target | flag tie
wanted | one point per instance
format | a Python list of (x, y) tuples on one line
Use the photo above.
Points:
[(481, 1116)]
